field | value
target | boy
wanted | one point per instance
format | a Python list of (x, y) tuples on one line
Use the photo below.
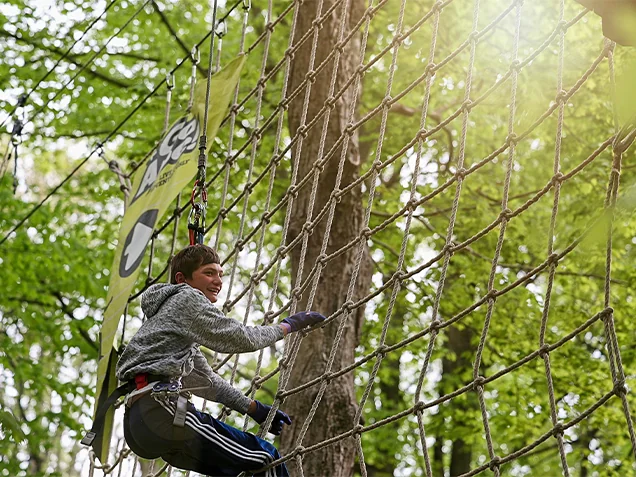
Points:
[(164, 355)]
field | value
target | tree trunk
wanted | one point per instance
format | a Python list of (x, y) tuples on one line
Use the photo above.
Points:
[(338, 405), (459, 343)]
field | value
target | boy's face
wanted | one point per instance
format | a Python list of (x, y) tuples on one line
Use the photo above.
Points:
[(208, 279)]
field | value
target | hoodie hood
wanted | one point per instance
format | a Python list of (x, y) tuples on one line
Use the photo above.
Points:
[(156, 295)]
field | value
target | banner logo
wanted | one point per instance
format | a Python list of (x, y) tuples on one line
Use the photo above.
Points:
[(181, 139), (136, 241)]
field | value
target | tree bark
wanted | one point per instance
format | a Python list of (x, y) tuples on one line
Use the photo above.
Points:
[(459, 343), (338, 406)]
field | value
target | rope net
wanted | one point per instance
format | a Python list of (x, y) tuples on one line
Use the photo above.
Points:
[(417, 173)]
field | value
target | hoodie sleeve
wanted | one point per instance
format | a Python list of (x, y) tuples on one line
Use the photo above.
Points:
[(215, 387), (208, 326)]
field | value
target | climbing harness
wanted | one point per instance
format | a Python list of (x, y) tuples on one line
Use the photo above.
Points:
[(161, 388)]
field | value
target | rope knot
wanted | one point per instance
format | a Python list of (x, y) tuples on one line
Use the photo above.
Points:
[(411, 205), (326, 377), (557, 178), (607, 313), (331, 102), (467, 106), (339, 47), (360, 69), (297, 293), (293, 191), (235, 109), (299, 451), (270, 26), (561, 96), (347, 306), (308, 228), (239, 245), (558, 429), (430, 67), (448, 248), (378, 166), (349, 129), (382, 350), (544, 351), (492, 294), (437, 6), (322, 259), (506, 214), (336, 195), (367, 232), (620, 389), (479, 382), (289, 54), (310, 77), (265, 218), (223, 213), (317, 23), (302, 130), (422, 134), (512, 139), (461, 173), (553, 259), (255, 280), (435, 325), (249, 187), (473, 37), (397, 41), (419, 406), (515, 65), (495, 462), (562, 26), (386, 102), (261, 83), (358, 429), (368, 14), (247, 5)]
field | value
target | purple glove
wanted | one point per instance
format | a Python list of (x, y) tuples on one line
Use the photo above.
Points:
[(303, 319), (260, 415)]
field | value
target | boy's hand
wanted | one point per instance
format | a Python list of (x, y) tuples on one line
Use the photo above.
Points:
[(303, 319), (259, 411)]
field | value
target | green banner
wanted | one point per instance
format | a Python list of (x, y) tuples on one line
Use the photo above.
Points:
[(172, 166)]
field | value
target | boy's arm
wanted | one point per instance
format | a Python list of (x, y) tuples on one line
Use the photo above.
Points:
[(215, 388), (208, 326)]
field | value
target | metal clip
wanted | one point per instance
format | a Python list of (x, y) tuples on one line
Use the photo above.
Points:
[(221, 29)]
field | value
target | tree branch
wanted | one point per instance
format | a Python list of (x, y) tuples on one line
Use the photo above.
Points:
[(184, 47), (71, 58)]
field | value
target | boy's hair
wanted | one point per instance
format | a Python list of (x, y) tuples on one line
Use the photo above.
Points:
[(191, 258)]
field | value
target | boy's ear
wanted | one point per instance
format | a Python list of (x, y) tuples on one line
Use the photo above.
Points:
[(180, 277)]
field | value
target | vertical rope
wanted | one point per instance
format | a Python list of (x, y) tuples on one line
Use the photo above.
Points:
[(255, 138), (301, 133), (447, 250), (277, 143), (363, 241), (229, 161), (400, 265), (616, 364), (505, 211), (560, 99)]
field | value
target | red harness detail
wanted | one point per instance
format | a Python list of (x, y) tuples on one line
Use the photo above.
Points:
[(141, 380)]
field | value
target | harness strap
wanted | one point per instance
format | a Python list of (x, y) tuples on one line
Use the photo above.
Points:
[(102, 409)]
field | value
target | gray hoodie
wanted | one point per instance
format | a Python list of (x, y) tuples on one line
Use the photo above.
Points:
[(179, 319)]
